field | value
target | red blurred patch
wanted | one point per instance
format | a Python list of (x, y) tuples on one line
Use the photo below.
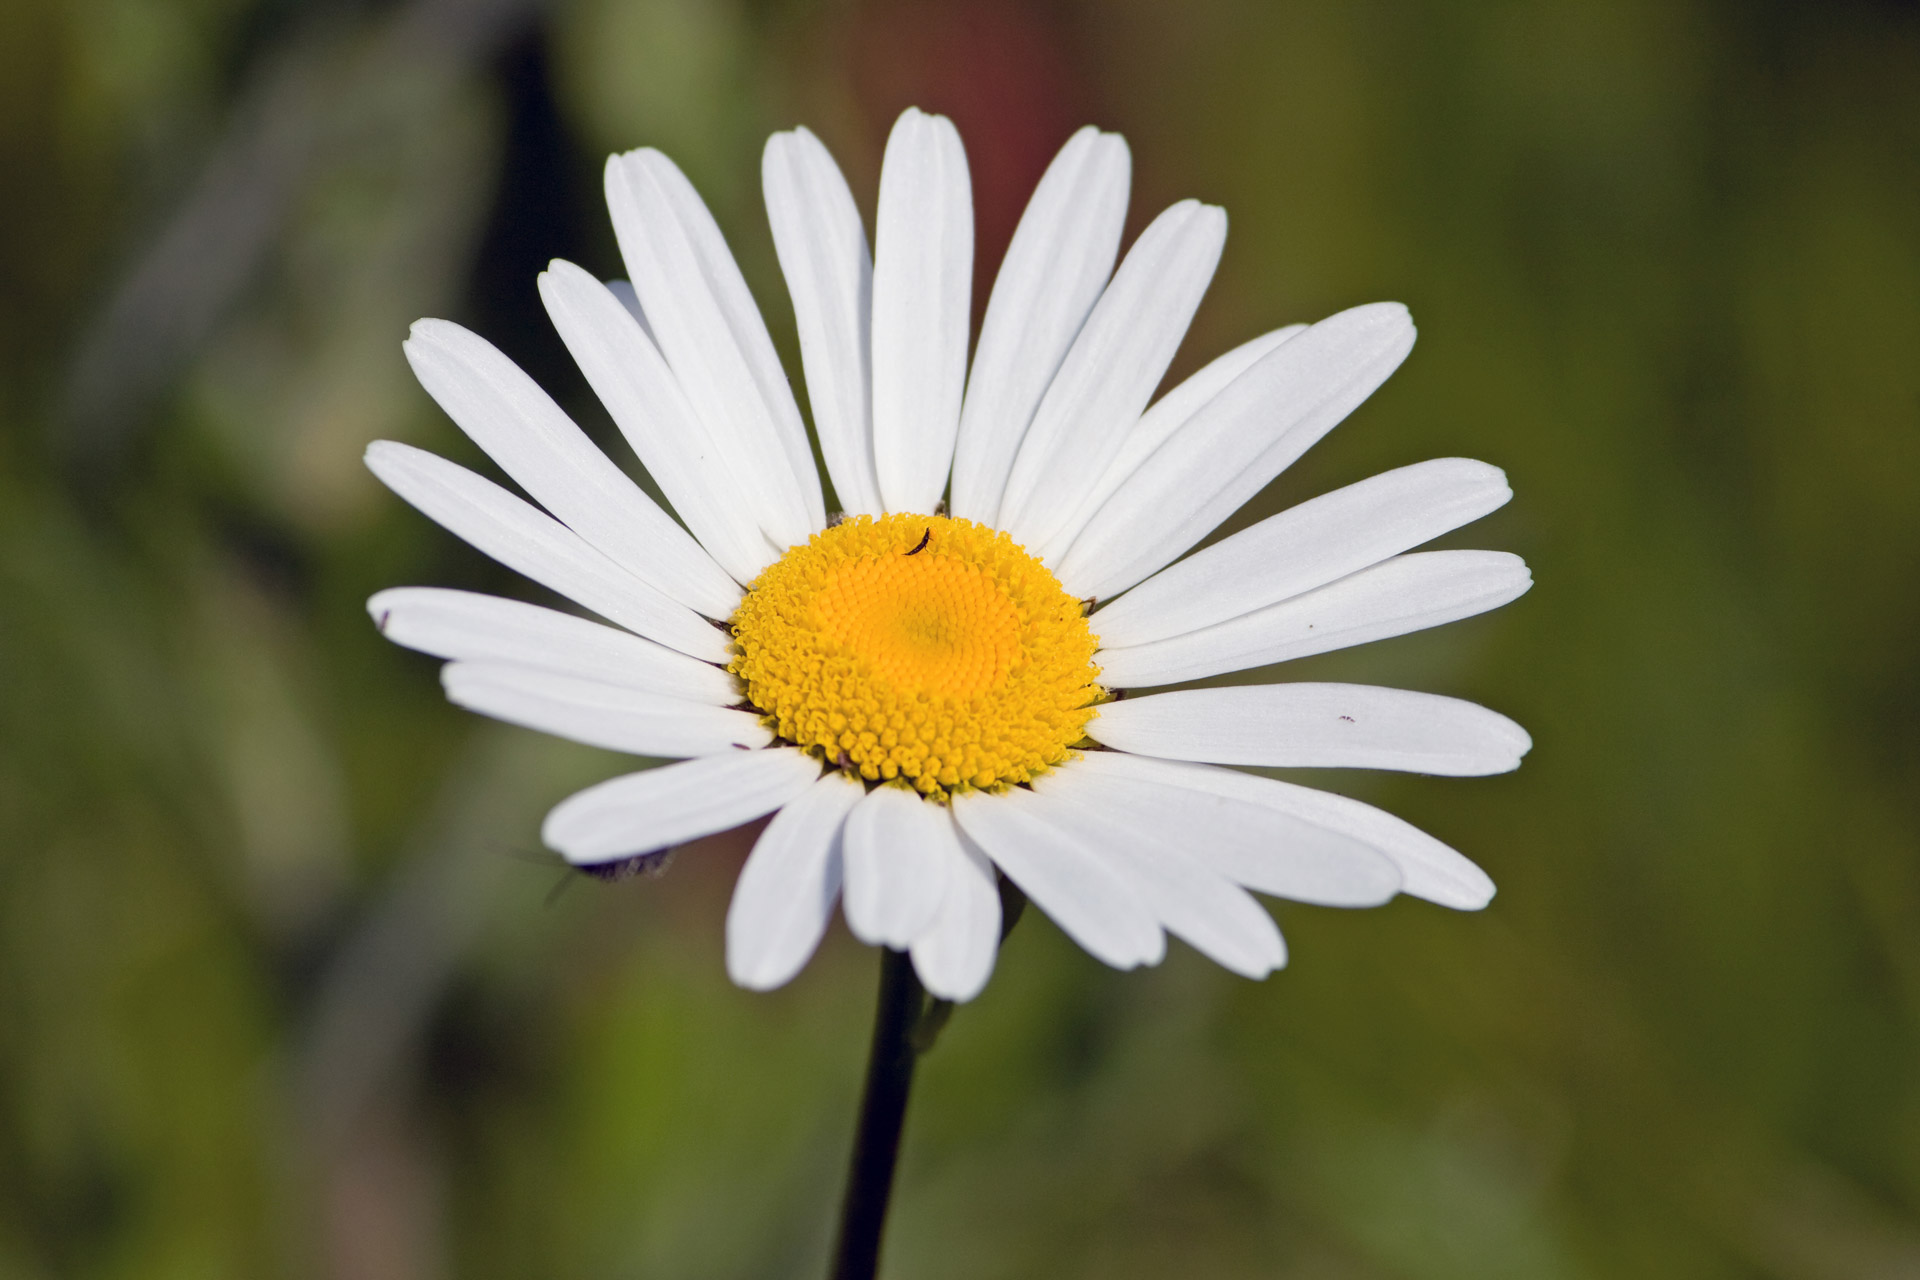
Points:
[(1006, 75)]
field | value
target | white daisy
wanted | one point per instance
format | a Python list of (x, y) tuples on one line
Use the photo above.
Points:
[(922, 693)]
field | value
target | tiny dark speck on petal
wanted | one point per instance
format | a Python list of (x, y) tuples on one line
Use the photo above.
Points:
[(1348, 719), (384, 615)]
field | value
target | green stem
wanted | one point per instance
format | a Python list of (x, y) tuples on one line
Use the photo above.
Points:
[(905, 1025), (883, 1112)]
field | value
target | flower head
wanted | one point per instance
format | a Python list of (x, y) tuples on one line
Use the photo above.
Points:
[(926, 692), (945, 662)]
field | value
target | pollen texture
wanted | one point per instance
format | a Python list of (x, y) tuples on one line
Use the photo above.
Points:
[(920, 648)]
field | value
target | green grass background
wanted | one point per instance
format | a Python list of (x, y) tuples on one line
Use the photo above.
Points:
[(287, 988)]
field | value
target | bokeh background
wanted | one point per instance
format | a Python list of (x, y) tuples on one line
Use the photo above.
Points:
[(288, 988)]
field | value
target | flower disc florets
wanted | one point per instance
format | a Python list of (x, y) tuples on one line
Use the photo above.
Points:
[(921, 648)]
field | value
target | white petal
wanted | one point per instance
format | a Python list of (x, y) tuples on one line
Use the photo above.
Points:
[(749, 329), (599, 714), (1094, 903), (1250, 844), (1242, 438), (899, 850), (623, 290), (465, 624), (700, 478), (784, 898), (1111, 372), (1407, 593), (1431, 869), (954, 956), (1214, 915), (521, 428), (662, 807), (1316, 726), (823, 254), (530, 542), (922, 286), (1057, 264), (1305, 547), (714, 339), (1168, 414)]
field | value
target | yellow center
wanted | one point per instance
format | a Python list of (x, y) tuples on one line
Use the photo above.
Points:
[(921, 648)]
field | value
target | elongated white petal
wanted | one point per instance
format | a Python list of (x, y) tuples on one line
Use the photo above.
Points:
[(823, 254), (749, 329), (658, 808), (599, 714), (702, 481), (623, 290), (900, 849), (922, 286), (1214, 915), (533, 543), (714, 340), (1430, 869), (1316, 726), (1258, 846), (954, 956), (1168, 414), (1110, 373), (1057, 264), (521, 428), (1407, 593), (468, 625), (1081, 891), (1305, 547), (1225, 453), (784, 898)]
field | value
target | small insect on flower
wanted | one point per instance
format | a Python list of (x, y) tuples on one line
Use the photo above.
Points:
[(651, 865), (931, 720)]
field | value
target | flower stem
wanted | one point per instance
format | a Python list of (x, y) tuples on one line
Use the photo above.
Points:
[(883, 1111), (905, 1025)]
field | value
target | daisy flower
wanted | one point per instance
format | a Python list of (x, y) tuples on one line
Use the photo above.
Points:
[(934, 685)]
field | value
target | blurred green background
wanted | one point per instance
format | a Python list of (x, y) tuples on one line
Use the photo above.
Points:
[(287, 987)]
